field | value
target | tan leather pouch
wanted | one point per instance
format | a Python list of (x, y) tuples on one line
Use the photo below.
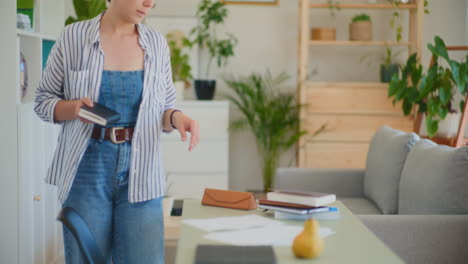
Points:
[(229, 199)]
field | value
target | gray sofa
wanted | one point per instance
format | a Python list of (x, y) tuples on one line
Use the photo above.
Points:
[(413, 195)]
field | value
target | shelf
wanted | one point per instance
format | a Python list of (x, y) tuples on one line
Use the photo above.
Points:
[(356, 43), (365, 6), (25, 33)]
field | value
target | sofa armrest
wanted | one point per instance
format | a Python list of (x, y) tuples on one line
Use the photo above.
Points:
[(423, 238), (342, 182)]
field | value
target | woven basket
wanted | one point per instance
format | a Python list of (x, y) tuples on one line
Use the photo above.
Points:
[(323, 33), (360, 31)]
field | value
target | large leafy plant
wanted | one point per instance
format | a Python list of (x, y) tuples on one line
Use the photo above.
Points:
[(86, 9), (212, 14), (431, 92), (271, 115), (181, 69)]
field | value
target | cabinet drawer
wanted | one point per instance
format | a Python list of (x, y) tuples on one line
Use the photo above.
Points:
[(358, 98), (192, 185), (211, 156)]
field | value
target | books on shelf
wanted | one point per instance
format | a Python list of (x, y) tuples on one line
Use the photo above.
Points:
[(291, 208), (304, 198), (99, 114)]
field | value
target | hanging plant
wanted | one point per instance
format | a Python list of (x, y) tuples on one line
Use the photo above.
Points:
[(395, 22)]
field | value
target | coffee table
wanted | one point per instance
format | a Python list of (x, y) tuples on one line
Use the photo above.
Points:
[(352, 243)]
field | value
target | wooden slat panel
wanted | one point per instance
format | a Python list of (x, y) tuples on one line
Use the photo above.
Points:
[(363, 6), (356, 43), (362, 98), (335, 155), (354, 127)]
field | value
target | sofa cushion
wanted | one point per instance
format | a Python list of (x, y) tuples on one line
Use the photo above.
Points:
[(385, 160), (425, 239), (360, 206), (434, 180)]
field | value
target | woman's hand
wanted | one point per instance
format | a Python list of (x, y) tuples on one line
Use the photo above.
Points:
[(185, 124), (68, 110)]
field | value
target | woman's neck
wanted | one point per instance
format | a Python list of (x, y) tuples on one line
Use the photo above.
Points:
[(113, 24)]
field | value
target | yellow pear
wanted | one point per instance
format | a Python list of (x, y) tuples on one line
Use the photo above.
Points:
[(308, 244)]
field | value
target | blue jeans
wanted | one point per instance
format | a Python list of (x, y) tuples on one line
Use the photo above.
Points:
[(130, 233)]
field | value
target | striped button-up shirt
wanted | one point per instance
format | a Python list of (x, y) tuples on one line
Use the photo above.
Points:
[(73, 71)]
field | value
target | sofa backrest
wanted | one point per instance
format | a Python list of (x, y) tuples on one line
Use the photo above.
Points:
[(385, 160), (434, 180)]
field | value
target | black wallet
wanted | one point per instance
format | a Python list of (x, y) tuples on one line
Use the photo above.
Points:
[(227, 254)]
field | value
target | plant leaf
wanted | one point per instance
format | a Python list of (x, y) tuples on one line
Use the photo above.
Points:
[(432, 126), (439, 49), (407, 106)]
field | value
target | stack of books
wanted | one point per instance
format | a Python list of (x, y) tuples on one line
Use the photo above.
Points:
[(23, 22), (291, 205)]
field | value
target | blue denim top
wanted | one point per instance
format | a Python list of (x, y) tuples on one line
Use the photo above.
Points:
[(122, 91)]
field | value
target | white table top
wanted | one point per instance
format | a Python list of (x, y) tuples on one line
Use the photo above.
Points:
[(352, 243)]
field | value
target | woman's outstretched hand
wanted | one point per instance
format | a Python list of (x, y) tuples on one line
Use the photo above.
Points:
[(185, 124)]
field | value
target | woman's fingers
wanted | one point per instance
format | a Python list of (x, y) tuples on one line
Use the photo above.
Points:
[(195, 137), (87, 102)]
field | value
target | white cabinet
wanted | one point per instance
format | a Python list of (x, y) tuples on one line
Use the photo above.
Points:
[(189, 173), (27, 142)]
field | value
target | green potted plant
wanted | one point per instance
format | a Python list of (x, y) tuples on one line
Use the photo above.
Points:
[(211, 14), (86, 9), (389, 67), (271, 115), (431, 92), (360, 28), (181, 69), (388, 63)]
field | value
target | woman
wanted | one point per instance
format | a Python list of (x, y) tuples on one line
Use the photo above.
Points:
[(113, 176)]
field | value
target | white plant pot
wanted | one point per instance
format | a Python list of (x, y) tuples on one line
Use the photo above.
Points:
[(448, 127), (179, 88), (168, 202)]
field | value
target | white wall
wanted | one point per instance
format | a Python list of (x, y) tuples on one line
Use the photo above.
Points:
[(8, 134), (268, 40)]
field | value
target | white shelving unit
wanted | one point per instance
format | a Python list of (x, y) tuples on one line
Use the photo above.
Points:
[(28, 141)]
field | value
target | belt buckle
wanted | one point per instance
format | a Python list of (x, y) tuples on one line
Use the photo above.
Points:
[(113, 137)]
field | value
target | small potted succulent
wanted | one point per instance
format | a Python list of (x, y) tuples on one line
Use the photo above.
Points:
[(360, 28)]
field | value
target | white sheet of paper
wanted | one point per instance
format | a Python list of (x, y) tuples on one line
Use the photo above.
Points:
[(272, 234), (229, 223)]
